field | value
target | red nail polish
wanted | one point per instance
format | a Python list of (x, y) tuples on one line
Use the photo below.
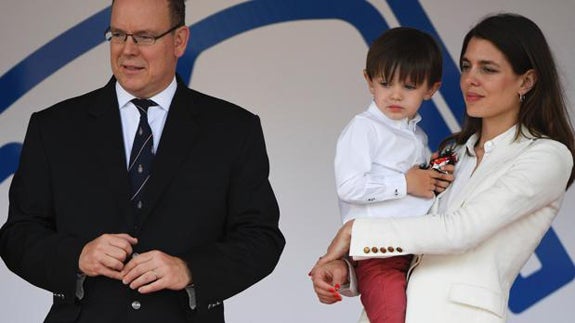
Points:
[(337, 286)]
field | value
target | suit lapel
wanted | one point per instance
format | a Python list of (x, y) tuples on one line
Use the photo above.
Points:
[(108, 141), (178, 136)]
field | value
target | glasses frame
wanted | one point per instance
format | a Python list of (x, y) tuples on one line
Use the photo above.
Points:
[(108, 34)]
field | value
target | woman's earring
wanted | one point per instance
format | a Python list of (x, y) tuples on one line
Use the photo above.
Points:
[(521, 97)]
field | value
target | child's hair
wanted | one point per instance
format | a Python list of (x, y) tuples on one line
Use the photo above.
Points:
[(411, 52)]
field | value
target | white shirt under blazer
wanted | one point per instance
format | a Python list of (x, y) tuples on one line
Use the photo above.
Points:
[(473, 245)]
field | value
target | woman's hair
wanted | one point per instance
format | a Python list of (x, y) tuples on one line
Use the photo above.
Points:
[(544, 111), (408, 51)]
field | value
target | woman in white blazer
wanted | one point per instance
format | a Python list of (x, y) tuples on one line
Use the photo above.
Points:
[(515, 155)]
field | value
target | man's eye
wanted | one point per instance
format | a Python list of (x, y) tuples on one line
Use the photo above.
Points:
[(145, 38)]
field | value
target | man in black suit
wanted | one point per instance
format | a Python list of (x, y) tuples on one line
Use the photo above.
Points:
[(200, 227)]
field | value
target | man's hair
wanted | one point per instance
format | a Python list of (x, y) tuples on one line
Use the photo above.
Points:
[(412, 53), (177, 10)]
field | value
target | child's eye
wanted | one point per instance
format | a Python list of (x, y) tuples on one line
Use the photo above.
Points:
[(410, 86), (384, 83)]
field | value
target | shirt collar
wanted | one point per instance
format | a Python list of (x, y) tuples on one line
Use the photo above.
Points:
[(503, 139), (163, 99), (399, 124)]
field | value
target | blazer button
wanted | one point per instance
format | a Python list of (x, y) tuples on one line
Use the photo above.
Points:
[(390, 249), (374, 249), (366, 250), (136, 305)]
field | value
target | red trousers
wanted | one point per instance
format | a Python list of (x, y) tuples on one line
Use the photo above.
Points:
[(382, 283)]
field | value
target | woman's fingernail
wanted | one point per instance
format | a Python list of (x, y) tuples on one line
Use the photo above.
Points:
[(337, 286)]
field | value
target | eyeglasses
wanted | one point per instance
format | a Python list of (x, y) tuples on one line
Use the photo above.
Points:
[(120, 37)]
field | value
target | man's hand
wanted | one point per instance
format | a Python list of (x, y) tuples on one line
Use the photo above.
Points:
[(105, 255), (327, 279), (155, 270)]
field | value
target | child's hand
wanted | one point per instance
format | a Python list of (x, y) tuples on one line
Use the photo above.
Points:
[(445, 179), (422, 182)]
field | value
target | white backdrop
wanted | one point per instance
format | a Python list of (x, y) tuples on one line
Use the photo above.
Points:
[(303, 78)]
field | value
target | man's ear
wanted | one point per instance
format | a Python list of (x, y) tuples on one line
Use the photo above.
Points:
[(431, 90), (181, 37)]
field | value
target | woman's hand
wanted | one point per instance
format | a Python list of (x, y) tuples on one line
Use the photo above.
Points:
[(339, 246), (327, 278)]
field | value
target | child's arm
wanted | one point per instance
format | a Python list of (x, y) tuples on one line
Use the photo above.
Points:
[(356, 181)]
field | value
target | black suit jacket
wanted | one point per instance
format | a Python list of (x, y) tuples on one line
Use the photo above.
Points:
[(208, 202)]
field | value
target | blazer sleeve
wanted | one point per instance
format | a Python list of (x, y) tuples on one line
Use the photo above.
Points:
[(252, 241), (534, 184), (29, 243)]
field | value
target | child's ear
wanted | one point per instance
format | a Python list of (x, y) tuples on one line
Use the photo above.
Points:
[(431, 90), (369, 82)]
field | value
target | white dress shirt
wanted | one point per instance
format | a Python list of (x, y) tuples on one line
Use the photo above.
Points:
[(156, 115), (372, 156)]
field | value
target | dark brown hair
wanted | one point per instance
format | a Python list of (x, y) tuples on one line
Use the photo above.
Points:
[(544, 111), (411, 52)]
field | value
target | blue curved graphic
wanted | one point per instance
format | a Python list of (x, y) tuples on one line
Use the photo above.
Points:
[(557, 268)]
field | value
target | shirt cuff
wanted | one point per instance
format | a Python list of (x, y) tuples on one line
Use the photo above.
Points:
[(350, 289), (191, 291), (80, 278)]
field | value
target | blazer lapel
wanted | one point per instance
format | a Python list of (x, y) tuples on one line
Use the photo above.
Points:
[(178, 136), (108, 142), (499, 159)]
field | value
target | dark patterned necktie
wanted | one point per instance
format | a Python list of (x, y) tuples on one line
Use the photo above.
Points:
[(142, 155)]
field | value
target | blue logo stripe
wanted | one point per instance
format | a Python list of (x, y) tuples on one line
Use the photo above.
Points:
[(557, 270), (254, 14), (51, 57)]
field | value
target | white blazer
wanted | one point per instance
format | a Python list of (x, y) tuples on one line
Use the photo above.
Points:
[(470, 255)]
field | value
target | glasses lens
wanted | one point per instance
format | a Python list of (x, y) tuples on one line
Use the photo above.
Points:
[(144, 39)]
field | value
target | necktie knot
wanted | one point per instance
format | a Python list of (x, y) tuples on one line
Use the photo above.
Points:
[(143, 104)]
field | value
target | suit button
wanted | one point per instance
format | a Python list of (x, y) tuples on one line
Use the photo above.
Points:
[(399, 249), (374, 249), (390, 249), (136, 305), (366, 250)]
